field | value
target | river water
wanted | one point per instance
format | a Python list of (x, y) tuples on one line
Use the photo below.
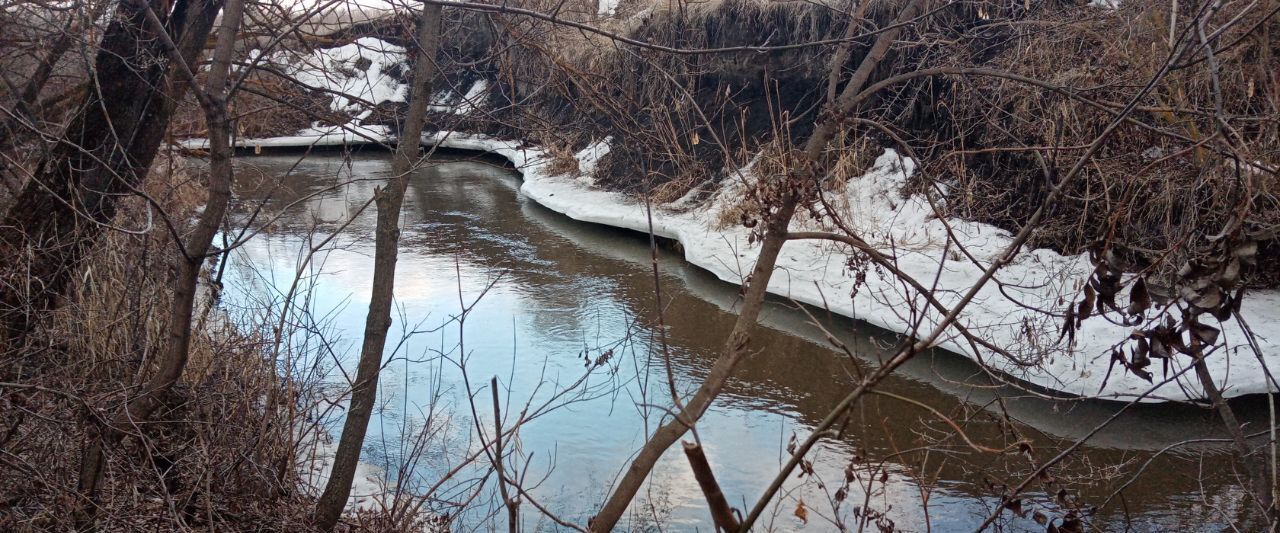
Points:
[(564, 315)]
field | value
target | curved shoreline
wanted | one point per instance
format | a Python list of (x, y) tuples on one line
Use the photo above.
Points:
[(816, 273)]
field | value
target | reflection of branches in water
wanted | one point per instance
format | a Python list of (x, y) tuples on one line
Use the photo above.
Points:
[(936, 453)]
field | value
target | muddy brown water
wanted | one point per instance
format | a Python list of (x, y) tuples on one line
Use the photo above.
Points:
[(551, 294)]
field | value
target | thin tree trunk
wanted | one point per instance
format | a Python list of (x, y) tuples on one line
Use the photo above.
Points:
[(721, 511), (736, 346), (386, 243), (512, 504), (192, 255), (103, 154), (1248, 458), (31, 91), (29, 114), (424, 69)]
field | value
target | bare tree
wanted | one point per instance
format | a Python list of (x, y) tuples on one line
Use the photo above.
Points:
[(386, 243), (103, 154), (192, 252), (737, 345)]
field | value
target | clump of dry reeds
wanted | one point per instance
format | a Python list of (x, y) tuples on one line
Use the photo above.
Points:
[(1162, 180)]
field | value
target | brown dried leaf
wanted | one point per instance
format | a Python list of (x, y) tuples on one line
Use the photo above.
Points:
[(1139, 298), (1246, 251), (1211, 298), (1040, 518), (1086, 305), (1015, 505), (1230, 274), (1140, 354), (1206, 333)]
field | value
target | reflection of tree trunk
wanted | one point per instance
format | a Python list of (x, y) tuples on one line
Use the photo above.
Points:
[(192, 254), (386, 243), (104, 153)]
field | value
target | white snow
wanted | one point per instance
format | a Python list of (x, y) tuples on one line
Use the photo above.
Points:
[(449, 102), (323, 17), (815, 272), (588, 158), (358, 76), (359, 71)]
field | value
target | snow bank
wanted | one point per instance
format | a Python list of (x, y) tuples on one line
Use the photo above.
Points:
[(363, 74), (818, 273), (355, 73), (450, 102)]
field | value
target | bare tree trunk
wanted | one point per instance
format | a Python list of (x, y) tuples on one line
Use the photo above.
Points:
[(512, 504), (103, 154), (423, 70), (721, 511), (1247, 455), (386, 243), (31, 91), (736, 346), (192, 255)]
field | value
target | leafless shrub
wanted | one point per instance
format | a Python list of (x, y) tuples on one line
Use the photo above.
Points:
[(191, 469)]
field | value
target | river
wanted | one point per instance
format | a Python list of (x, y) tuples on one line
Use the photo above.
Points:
[(550, 297)]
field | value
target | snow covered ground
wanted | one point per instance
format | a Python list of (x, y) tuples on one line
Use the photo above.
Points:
[(816, 273)]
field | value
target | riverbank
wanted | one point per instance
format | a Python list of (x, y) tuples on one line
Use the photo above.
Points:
[(1007, 312)]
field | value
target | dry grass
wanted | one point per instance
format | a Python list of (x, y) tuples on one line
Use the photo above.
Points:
[(206, 462), (680, 121), (562, 161), (1147, 193)]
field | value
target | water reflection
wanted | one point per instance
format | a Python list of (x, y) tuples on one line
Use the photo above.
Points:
[(554, 290)]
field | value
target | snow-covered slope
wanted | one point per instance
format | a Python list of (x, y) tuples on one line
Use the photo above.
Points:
[(358, 75), (816, 273)]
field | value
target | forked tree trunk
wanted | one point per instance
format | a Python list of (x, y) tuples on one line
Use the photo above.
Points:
[(364, 391), (191, 256), (103, 155)]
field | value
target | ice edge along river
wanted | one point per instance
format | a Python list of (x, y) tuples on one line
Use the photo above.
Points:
[(817, 273)]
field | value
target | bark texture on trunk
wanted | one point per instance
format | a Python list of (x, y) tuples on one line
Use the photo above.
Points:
[(191, 257), (364, 391), (103, 155)]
